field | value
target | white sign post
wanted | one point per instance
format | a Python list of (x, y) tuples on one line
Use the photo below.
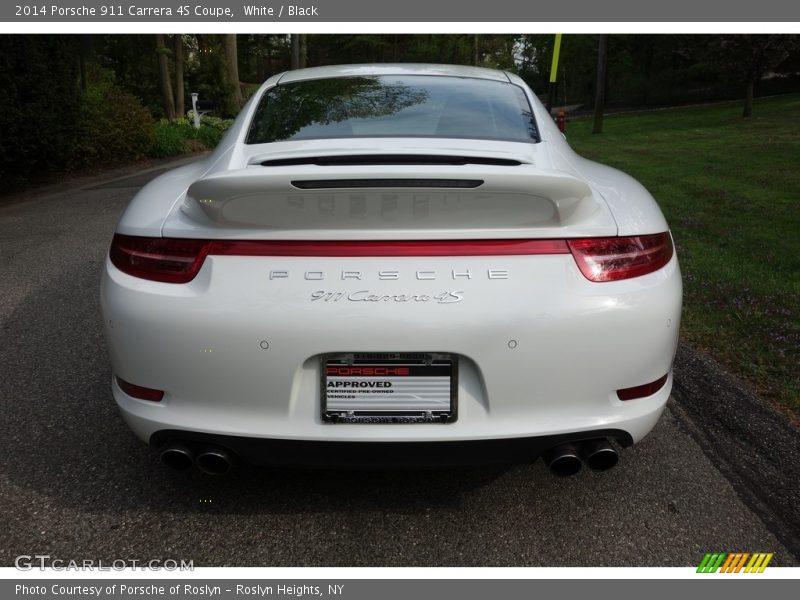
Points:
[(195, 114)]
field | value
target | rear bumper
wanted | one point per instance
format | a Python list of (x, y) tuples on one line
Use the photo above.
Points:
[(312, 454), (541, 353)]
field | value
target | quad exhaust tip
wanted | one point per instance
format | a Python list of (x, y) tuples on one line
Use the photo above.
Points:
[(599, 455), (567, 459), (178, 457), (563, 460), (214, 461)]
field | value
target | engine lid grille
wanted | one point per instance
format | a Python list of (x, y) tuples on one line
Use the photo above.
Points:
[(318, 184)]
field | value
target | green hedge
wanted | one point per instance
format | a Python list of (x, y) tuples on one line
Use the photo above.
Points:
[(181, 136), (113, 126)]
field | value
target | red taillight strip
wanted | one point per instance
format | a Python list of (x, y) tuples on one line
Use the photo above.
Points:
[(178, 260), (642, 391), (389, 248)]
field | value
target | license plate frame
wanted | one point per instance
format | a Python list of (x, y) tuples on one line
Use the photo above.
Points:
[(422, 398)]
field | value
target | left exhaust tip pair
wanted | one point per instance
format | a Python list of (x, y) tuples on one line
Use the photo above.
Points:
[(567, 459)]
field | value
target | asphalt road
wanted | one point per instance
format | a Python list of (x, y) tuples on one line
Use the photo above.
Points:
[(718, 473)]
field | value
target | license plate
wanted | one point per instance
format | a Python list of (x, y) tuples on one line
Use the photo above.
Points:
[(389, 388)]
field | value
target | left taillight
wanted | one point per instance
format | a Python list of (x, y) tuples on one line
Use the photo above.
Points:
[(159, 259), (615, 258)]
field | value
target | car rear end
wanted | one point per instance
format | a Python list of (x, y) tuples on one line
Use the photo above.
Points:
[(431, 304)]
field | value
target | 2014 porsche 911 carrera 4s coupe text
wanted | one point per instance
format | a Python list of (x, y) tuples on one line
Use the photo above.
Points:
[(392, 265)]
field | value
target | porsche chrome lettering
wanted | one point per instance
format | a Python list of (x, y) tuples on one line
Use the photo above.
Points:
[(393, 275)]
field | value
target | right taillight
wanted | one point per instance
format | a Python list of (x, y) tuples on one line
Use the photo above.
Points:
[(615, 258)]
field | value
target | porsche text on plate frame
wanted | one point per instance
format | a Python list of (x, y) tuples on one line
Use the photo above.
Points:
[(392, 264)]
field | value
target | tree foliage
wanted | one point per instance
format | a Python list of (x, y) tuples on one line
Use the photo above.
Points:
[(745, 59), (261, 56), (653, 70), (496, 51), (112, 126), (45, 80), (39, 95)]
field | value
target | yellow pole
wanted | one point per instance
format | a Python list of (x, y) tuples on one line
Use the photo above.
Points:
[(556, 51)]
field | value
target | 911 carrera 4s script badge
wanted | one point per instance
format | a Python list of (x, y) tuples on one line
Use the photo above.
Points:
[(445, 297)]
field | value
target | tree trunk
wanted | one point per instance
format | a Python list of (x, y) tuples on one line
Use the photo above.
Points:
[(166, 84), (180, 94), (748, 99), (295, 61), (303, 50), (86, 51), (232, 68), (475, 49), (551, 98), (600, 88), (648, 68)]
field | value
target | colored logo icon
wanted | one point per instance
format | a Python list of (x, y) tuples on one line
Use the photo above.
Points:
[(736, 562)]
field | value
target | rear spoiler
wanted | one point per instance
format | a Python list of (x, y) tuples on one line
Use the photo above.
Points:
[(408, 201)]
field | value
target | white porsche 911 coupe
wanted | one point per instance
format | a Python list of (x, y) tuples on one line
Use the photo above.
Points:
[(390, 265)]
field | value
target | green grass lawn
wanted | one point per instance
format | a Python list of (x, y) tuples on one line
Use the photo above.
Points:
[(730, 189)]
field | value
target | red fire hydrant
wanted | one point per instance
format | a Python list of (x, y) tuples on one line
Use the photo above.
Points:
[(561, 121)]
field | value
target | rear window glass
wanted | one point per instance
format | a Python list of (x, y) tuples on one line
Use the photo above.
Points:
[(393, 106)]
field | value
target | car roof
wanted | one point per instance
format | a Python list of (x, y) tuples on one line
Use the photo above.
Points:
[(392, 69)]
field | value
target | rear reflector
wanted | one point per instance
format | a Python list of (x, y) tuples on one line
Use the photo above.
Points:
[(611, 259), (177, 260), (642, 391), (138, 391)]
